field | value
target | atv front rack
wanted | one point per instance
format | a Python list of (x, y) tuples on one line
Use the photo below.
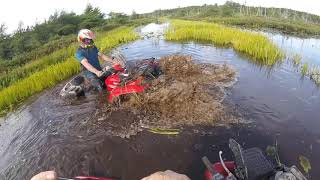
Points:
[(251, 163)]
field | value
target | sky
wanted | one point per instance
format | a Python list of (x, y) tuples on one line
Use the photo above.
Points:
[(31, 11)]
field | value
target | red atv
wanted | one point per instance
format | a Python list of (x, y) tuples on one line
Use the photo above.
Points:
[(120, 81), (249, 164)]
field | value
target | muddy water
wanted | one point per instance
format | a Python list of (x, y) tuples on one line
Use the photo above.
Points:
[(50, 133)]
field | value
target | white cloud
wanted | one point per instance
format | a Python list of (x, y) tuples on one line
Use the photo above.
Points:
[(30, 11)]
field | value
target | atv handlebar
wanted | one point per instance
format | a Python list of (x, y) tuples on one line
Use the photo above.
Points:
[(113, 70)]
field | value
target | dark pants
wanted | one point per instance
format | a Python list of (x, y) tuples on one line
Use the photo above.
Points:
[(94, 80)]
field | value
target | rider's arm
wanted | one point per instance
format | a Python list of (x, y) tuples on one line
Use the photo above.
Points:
[(47, 175), (92, 69), (166, 175), (105, 58)]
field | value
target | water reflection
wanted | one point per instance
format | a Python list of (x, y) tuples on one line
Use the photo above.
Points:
[(308, 48)]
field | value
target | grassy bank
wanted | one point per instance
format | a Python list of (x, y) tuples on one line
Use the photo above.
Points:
[(49, 75), (44, 50), (258, 47), (10, 77), (285, 20), (286, 27)]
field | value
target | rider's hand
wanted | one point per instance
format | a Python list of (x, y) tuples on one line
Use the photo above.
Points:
[(99, 73), (47, 175), (167, 175), (107, 68)]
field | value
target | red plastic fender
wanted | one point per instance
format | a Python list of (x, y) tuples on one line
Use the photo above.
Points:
[(118, 67), (112, 82), (136, 82), (125, 90)]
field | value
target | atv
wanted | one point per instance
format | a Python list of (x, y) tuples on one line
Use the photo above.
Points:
[(249, 164), (119, 80)]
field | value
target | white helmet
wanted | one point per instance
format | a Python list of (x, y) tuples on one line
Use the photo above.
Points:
[(85, 34)]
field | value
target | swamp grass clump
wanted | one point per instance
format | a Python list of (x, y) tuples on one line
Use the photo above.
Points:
[(297, 59), (305, 69), (314, 74), (261, 50), (255, 45), (185, 94), (48, 75)]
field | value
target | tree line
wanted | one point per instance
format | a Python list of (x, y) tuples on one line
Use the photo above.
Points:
[(53, 33), (232, 9)]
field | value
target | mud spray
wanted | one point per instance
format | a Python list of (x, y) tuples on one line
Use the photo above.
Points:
[(187, 94)]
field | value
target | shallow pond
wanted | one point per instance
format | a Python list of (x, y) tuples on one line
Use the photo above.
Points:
[(282, 106), (279, 101)]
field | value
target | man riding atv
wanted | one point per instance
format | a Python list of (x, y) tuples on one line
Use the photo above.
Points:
[(88, 55), (115, 79)]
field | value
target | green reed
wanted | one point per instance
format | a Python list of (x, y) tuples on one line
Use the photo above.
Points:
[(258, 47)]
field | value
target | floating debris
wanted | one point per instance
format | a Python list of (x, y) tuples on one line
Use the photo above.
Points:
[(164, 131), (305, 163), (271, 151), (186, 94)]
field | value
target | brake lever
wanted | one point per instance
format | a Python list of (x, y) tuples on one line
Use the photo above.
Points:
[(230, 175)]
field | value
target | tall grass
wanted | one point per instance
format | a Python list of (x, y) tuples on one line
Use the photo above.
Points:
[(43, 50), (115, 37), (258, 47), (48, 76), (8, 78)]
